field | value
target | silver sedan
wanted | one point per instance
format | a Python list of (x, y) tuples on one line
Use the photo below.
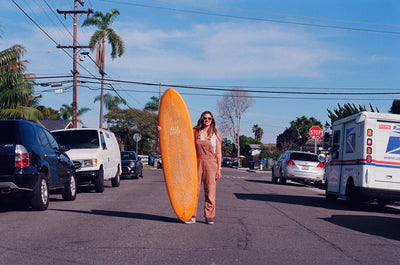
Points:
[(298, 165)]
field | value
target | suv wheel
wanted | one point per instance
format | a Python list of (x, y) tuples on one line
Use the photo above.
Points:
[(116, 180), (282, 179), (40, 199), (99, 182), (273, 178), (69, 193)]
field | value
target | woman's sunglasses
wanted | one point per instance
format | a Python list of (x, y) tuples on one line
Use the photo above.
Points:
[(207, 118)]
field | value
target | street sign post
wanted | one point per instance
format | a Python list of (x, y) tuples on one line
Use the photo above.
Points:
[(315, 133), (136, 138)]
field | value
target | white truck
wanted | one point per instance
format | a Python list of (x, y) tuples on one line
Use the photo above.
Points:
[(364, 161), (95, 154)]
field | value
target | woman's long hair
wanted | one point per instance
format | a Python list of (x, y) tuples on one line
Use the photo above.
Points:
[(200, 125)]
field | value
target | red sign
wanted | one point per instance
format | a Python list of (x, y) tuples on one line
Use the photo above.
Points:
[(315, 132), (384, 126)]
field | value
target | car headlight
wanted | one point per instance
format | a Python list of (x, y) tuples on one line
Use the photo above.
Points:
[(132, 164), (90, 163)]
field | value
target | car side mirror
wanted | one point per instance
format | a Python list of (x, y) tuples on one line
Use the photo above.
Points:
[(321, 158), (66, 147), (139, 158)]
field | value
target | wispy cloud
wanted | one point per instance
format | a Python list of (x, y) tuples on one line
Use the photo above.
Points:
[(225, 50)]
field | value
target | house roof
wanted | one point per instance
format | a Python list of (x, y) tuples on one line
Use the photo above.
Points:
[(56, 124), (255, 146)]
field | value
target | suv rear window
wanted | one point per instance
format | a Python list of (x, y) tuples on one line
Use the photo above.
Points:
[(304, 157), (78, 139), (11, 132)]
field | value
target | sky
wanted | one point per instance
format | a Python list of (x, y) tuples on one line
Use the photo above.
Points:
[(293, 57)]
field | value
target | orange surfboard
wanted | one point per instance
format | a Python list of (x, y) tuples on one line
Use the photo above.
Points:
[(178, 154)]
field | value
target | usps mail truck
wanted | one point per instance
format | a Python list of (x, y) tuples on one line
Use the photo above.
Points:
[(364, 161)]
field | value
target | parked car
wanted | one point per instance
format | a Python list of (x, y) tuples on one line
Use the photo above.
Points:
[(32, 164), (226, 162), (132, 166), (159, 163), (298, 165), (95, 154)]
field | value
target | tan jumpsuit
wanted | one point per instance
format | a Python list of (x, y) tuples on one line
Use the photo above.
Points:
[(207, 171)]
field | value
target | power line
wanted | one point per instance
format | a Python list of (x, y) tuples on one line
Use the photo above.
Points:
[(279, 14), (246, 90), (201, 13)]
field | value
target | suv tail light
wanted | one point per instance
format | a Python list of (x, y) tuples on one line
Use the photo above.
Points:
[(289, 162), (320, 165), (21, 156)]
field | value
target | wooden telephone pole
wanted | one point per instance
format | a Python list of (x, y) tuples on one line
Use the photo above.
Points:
[(75, 47)]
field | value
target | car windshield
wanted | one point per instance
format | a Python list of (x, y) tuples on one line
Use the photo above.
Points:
[(304, 157), (78, 139), (127, 156)]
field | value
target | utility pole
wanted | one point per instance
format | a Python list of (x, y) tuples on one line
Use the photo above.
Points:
[(74, 48)]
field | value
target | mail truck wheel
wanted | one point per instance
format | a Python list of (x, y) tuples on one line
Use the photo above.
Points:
[(353, 198)]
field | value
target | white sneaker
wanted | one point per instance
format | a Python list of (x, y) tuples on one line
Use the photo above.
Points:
[(209, 221), (191, 221)]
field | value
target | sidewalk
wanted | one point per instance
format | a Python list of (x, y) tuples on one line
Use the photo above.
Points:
[(253, 170)]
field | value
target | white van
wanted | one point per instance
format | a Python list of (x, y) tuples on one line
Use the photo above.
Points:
[(364, 162), (95, 154)]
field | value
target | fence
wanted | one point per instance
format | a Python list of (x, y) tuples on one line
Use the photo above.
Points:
[(145, 159)]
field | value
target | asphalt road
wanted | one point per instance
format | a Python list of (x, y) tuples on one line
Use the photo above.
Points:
[(257, 223)]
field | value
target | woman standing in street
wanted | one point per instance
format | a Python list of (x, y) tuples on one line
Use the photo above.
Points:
[(208, 149)]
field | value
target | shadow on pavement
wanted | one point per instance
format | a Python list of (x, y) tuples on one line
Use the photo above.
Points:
[(270, 182), (386, 227), (142, 216), (314, 201)]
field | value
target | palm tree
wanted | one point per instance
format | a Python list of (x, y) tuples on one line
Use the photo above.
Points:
[(98, 40), (110, 101), (258, 132), (395, 108), (66, 112), (16, 94)]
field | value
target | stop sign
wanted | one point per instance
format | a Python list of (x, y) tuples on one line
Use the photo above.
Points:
[(315, 132)]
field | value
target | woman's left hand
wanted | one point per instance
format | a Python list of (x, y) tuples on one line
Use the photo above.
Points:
[(218, 176)]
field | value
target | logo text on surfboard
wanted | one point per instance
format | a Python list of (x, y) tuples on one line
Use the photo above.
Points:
[(175, 130)]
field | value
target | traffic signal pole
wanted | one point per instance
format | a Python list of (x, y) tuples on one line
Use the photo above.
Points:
[(75, 47)]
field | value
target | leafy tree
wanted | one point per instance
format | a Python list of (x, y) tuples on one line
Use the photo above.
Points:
[(245, 142), (16, 90), (294, 137), (227, 148), (98, 40), (258, 132), (345, 111), (395, 108), (152, 105), (267, 151), (66, 112), (231, 108), (49, 113), (125, 123)]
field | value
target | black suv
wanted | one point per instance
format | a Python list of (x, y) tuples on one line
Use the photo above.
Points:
[(32, 164)]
